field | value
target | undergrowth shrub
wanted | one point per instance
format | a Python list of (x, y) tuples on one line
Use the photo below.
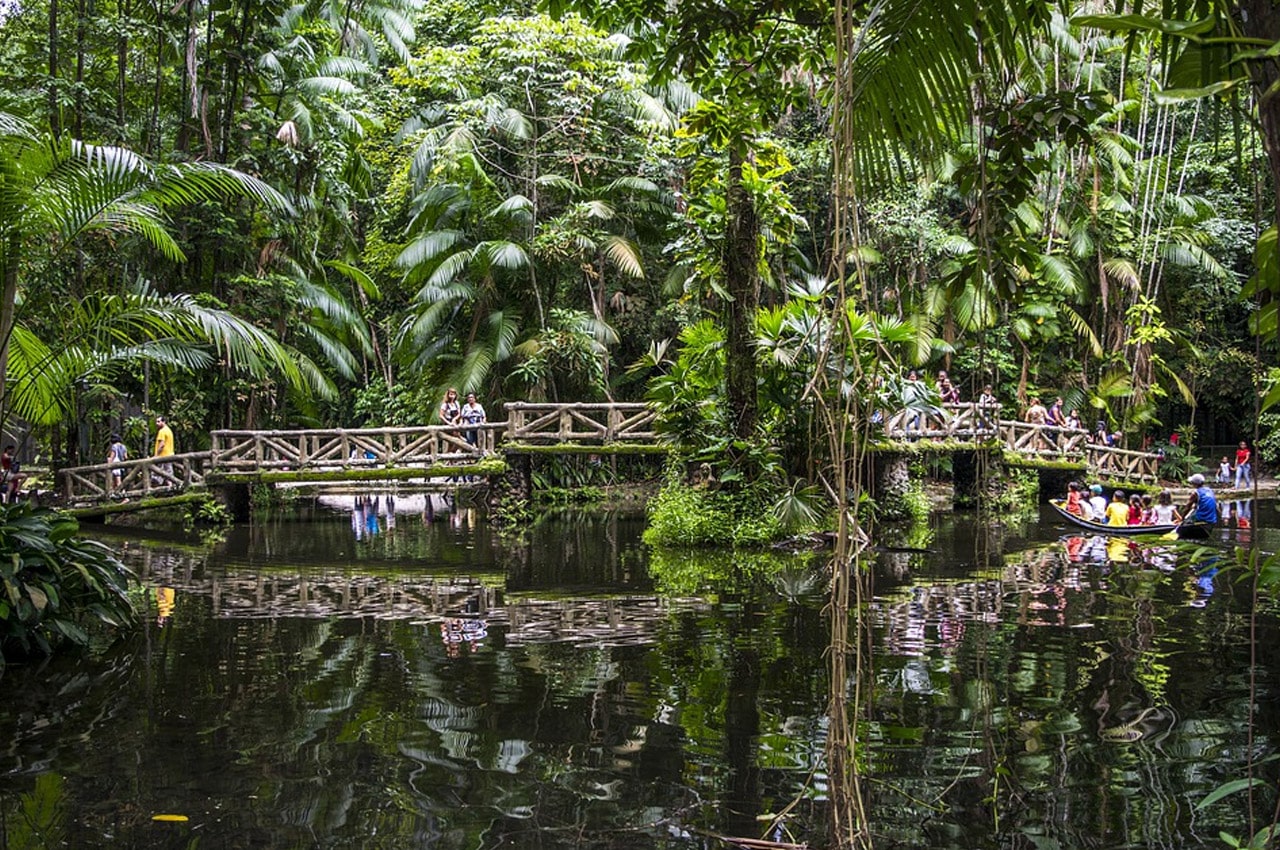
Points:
[(681, 515), (58, 588)]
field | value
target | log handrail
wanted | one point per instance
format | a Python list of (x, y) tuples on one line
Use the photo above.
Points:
[(590, 423)]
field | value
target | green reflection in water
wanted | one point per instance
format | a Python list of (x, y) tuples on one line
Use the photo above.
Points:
[(439, 686)]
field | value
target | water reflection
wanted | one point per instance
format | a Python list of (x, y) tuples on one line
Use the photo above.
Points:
[(436, 685)]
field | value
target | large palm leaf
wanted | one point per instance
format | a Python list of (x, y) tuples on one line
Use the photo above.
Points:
[(58, 193)]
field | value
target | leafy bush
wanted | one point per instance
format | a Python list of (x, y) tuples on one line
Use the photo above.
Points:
[(682, 515), (56, 585)]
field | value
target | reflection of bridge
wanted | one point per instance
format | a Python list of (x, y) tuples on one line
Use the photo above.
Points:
[(446, 451), (242, 592)]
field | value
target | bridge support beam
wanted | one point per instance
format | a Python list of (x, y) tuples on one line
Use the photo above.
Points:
[(511, 493)]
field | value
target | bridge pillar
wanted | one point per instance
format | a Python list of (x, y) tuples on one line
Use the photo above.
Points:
[(512, 492), (235, 498), (891, 482)]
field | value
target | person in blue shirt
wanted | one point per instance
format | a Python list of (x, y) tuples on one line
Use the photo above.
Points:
[(1202, 506)]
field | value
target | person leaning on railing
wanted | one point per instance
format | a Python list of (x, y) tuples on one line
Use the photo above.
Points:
[(472, 414)]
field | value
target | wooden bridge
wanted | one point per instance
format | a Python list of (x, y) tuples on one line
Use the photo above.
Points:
[(439, 451), (973, 423)]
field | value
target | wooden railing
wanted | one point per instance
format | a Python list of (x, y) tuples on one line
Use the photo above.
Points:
[(337, 449), (1025, 438), (150, 476), (582, 424), (966, 421), (629, 422), (1123, 464), (979, 422)]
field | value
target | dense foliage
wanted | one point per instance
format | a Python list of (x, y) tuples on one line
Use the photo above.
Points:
[(327, 213), (58, 589)]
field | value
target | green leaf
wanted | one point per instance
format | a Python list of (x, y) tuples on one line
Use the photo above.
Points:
[(1229, 788)]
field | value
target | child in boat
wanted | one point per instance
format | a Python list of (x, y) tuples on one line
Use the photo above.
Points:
[(1073, 500), (1148, 511), (1098, 503), (1118, 510), (1135, 509), (1164, 513)]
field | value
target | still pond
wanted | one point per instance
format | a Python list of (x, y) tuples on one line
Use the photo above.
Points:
[(391, 673)]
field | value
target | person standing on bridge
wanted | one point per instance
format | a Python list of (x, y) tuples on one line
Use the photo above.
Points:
[(163, 448), (1037, 416), (947, 391), (450, 410), (116, 453), (472, 414)]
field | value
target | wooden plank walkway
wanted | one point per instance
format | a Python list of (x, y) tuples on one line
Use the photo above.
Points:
[(433, 450)]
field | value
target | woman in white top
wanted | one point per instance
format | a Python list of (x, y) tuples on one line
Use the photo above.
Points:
[(472, 414)]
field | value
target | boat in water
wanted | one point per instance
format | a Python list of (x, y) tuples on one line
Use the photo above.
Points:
[(1184, 530)]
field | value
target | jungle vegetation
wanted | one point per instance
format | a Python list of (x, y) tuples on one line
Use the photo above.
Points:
[(256, 214)]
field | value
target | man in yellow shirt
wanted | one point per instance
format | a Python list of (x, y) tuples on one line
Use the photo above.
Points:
[(1118, 510), (163, 448)]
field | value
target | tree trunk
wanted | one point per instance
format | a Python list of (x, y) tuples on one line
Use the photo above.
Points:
[(55, 126), (8, 300), (742, 281), (81, 22), (1261, 19)]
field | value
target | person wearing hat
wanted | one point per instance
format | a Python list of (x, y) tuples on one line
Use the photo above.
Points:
[(1202, 506), (1097, 504)]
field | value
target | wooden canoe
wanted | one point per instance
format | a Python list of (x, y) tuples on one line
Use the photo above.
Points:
[(1184, 530)]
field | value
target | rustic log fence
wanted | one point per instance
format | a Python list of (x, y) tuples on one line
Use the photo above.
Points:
[(362, 448), (141, 478), (617, 422), (962, 421), (628, 423)]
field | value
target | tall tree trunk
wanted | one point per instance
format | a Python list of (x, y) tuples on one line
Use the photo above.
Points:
[(1261, 19), (742, 282), (122, 67), (8, 300), (55, 125), (82, 14)]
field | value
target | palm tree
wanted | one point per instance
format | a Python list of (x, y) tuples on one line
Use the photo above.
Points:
[(59, 195)]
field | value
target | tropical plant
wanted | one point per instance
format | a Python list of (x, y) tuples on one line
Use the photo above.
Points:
[(59, 195), (58, 588), (519, 189)]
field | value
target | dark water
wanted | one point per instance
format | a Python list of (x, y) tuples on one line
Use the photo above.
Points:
[(366, 678)]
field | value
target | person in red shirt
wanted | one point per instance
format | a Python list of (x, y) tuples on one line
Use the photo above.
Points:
[(10, 474), (1244, 469)]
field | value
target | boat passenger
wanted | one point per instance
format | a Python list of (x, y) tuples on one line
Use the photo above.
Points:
[(1073, 500), (1097, 503), (1202, 506), (1164, 511), (1148, 511), (1118, 510), (1135, 509)]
